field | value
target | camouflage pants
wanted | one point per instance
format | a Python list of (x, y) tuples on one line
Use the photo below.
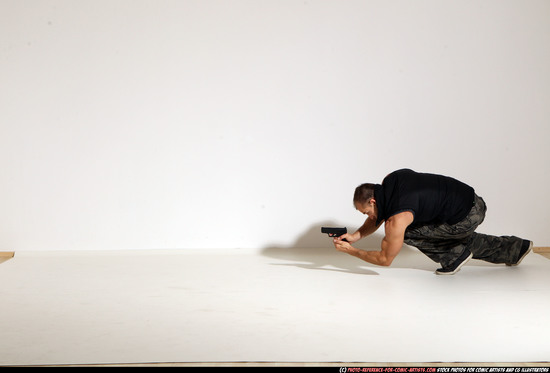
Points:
[(444, 243)]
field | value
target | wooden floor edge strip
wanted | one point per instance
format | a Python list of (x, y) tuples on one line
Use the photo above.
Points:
[(7, 254), (538, 250)]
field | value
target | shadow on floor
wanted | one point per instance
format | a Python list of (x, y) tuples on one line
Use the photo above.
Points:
[(314, 250)]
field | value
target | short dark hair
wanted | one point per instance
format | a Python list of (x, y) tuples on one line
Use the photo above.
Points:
[(363, 193)]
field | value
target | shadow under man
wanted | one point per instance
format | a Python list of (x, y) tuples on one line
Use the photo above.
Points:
[(314, 250)]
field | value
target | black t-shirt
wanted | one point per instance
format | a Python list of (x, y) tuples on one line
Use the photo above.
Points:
[(432, 199)]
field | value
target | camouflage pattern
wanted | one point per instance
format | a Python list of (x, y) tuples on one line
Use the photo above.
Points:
[(444, 243)]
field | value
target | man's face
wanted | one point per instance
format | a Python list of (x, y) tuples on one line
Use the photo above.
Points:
[(368, 208)]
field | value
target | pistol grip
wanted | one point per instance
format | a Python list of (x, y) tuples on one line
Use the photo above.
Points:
[(333, 235)]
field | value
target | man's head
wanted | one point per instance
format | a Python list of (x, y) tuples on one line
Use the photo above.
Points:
[(364, 201)]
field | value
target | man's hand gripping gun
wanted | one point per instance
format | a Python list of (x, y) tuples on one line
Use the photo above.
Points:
[(334, 232)]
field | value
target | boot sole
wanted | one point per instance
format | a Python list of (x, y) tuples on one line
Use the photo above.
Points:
[(457, 268), (523, 256)]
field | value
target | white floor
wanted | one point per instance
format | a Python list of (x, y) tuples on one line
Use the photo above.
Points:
[(275, 305)]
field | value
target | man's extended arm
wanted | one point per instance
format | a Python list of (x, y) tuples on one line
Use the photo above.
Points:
[(368, 228), (391, 244)]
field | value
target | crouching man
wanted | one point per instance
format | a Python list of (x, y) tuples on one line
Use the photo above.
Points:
[(435, 213)]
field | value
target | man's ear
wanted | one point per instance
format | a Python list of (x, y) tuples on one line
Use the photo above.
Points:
[(373, 201)]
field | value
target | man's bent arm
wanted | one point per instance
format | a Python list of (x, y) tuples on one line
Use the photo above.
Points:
[(391, 244), (369, 227)]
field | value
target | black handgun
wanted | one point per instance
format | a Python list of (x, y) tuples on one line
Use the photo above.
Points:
[(334, 232)]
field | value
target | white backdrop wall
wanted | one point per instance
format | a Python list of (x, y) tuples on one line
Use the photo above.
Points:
[(139, 124)]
